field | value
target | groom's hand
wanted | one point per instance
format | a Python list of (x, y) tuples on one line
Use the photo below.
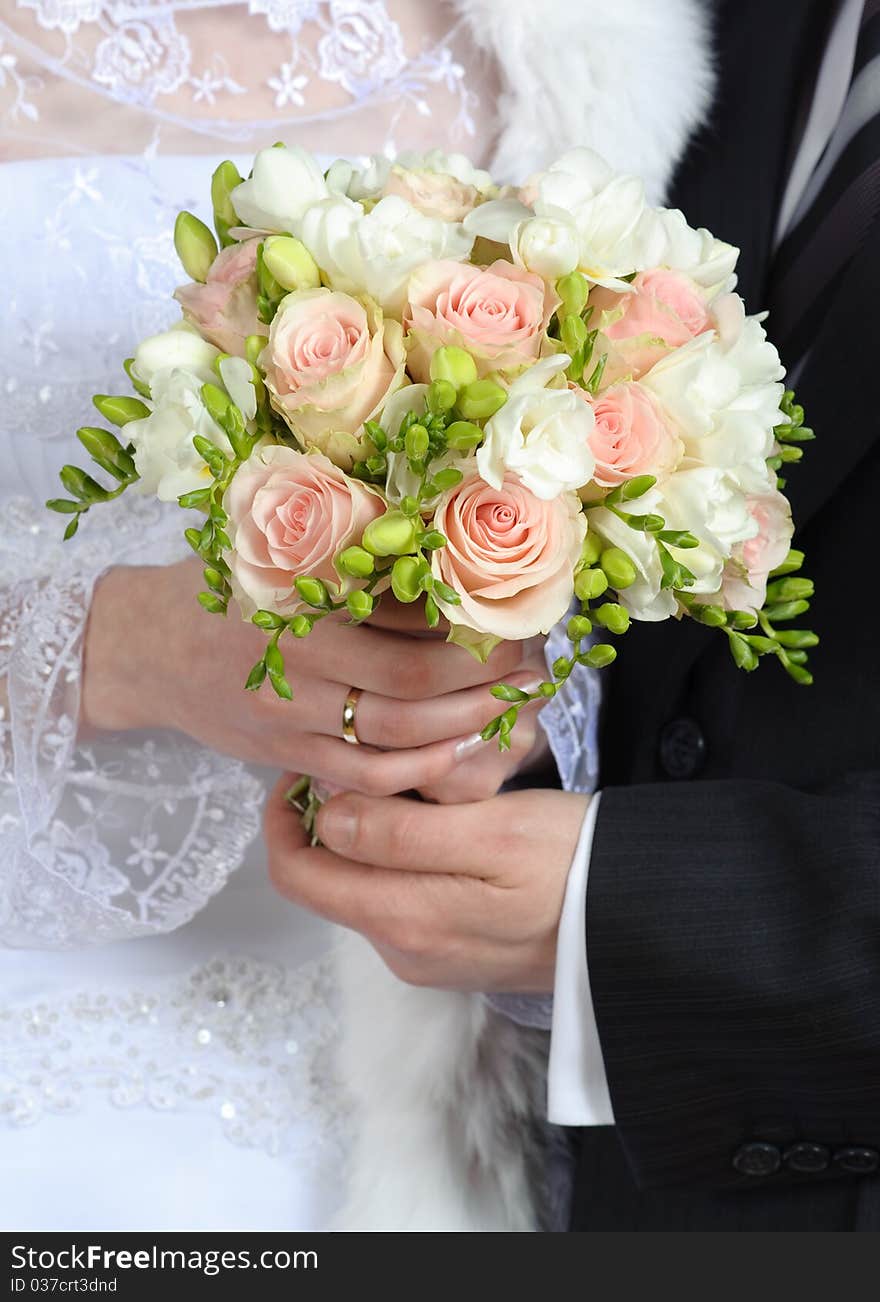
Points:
[(464, 897)]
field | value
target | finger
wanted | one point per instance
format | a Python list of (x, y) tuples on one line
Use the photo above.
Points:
[(397, 665), (382, 773), (406, 834)]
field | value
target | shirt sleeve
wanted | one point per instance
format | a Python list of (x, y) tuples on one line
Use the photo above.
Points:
[(577, 1087)]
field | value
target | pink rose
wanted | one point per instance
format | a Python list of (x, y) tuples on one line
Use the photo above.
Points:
[(629, 436), (497, 313), (744, 581), (330, 363), (436, 194), (224, 309), (664, 310), (509, 555), (291, 513)]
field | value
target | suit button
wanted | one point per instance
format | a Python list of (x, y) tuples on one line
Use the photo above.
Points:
[(857, 1160), (682, 748), (806, 1158), (757, 1159)]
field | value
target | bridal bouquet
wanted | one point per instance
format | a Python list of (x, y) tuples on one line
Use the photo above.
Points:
[(509, 406)]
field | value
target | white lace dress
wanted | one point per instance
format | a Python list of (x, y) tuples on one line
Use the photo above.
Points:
[(165, 1026)]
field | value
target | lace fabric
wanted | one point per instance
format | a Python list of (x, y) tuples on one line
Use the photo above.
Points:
[(182, 75)]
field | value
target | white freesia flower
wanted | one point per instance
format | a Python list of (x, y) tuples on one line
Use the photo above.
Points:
[(706, 260), (359, 183), (369, 181), (284, 184), (713, 507), (722, 395), (164, 455), (548, 246), (645, 599), (375, 253), (541, 435), (182, 346), (238, 378)]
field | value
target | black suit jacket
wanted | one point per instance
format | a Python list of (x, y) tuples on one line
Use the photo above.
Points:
[(733, 912)]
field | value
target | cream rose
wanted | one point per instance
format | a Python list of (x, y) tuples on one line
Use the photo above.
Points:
[(509, 555), (330, 364), (291, 514), (497, 313), (224, 309)]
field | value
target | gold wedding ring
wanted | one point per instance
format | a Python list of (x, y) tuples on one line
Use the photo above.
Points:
[(349, 711)]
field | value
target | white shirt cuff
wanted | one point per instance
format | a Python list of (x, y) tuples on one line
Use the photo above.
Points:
[(577, 1087)]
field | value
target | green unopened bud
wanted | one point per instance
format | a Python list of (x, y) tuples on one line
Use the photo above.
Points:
[(313, 592), (590, 584), (793, 562), (195, 245), (301, 625), (225, 179), (573, 334), (267, 619), (578, 627), (613, 617), (797, 637), (139, 385), (480, 400), (216, 402), (393, 534), (432, 540), (787, 610), (636, 487), (289, 262), (253, 347), (790, 590), (573, 290), (619, 569), (107, 451), (409, 505), (119, 410), (81, 485), (599, 656), (462, 435), (440, 396), (711, 616), (356, 561), (743, 619), (743, 655), (416, 442), (359, 604), (406, 574), (592, 549), (799, 674), (455, 366)]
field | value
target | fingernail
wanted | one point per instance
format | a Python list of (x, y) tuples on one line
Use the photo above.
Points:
[(466, 748), (337, 827)]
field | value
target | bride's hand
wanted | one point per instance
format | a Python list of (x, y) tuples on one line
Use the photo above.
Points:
[(155, 659)]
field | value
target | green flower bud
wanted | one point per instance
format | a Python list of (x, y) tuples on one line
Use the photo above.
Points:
[(393, 534), (313, 592), (797, 637), (406, 576), (599, 656), (217, 402), (592, 549), (267, 619), (573, 335), (578, 627), (101, 444), (416, 442), (788, 589), (743, 619), (432, 540), (743, 655), (225, 179), (711, 616), (613, 617), (455, 366), (799, 674), (195, 245), (137, 384), (619, 569), (480, 400), (462, 435), (356, 561), (504, 692), (432, 612), (289, 262), (253, 347), (562, 667), (590, 584), (301, 625), (787, 610), (634, 488), (793, 561), (81, 485), (119, 410), (446, 479), (440, 396), (409, 505), (573, 290), (359, 604)]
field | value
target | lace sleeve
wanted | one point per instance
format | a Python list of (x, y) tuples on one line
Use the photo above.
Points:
[(130, 834)]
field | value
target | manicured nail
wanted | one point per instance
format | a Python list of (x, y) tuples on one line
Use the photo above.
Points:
[(465, 749)]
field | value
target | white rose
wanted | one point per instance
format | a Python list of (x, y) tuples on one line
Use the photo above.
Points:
[(377, 252), (540, 435), (547, 246), (164, 455), (721, 399), (708, 261), (645, 599), (181, 346), (284, 184)]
